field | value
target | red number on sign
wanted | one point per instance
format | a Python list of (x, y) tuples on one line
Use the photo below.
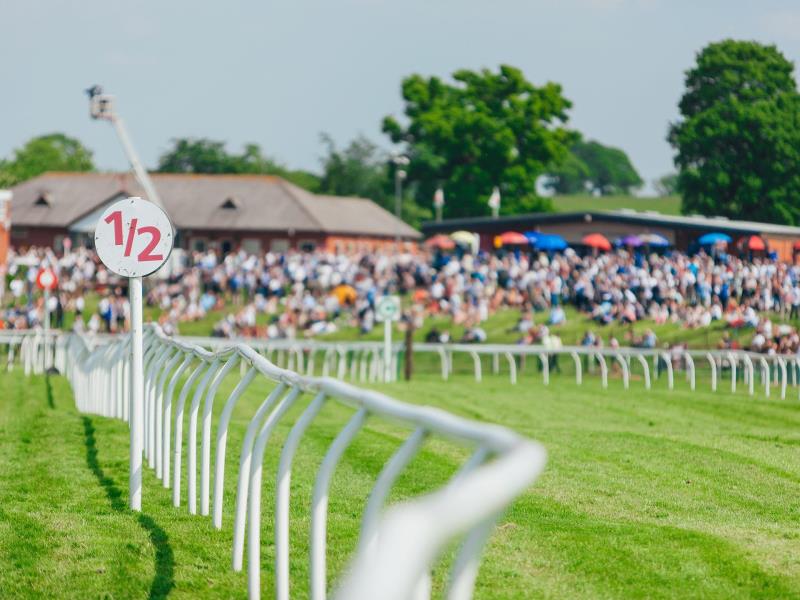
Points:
[(116, 217), (131, 233), (155, 237)]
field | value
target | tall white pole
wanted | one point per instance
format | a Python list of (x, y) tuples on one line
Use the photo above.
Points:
[(387, 351), (137, 395), (46, 325), (133, 158)]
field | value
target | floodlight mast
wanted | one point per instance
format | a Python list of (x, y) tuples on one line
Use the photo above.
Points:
[(101, 106)]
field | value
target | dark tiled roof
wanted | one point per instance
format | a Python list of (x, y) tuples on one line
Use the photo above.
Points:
[(260, 203)]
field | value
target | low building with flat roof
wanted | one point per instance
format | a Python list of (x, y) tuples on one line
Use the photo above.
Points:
[(254, 212), (681, 230)]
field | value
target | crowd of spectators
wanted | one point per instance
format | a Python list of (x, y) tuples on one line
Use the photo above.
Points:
[(307, 294)]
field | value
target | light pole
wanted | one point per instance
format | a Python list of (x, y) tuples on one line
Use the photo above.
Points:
[(400, 161)]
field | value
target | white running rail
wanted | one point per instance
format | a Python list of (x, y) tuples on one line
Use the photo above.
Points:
[(362, 361), (398, 546)]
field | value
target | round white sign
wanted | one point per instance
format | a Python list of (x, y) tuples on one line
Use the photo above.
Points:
[(388, 308), (133, 237)]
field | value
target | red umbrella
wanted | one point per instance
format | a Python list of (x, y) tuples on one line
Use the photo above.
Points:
[(440, 241), (511, 238), (597, 240), (755, 243)]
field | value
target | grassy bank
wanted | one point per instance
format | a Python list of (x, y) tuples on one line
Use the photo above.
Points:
[(659, 495)]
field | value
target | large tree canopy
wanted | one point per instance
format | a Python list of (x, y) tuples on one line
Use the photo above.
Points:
[(487, 129), (591, 166), (52, 152), (202, 155), (738, 141)]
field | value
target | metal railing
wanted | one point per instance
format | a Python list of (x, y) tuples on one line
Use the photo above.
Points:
[(363, 361), (397, 547)]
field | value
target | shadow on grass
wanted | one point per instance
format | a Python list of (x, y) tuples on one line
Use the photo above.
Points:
[(163, 582), (50, 402)]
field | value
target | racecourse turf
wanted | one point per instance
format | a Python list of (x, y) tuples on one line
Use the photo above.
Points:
[(658, 494)]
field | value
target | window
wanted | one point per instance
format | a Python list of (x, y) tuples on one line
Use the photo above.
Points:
[(199, 244), (43, 200), (251, 245), (279, 245), (230, 204), (307, 245)]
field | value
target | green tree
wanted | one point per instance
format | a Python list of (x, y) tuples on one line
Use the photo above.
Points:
[(666, 185), (591, 166), (738, 140), (610, 169), (487, 129), (202, 155), (52, 152), (360, 169), (569, 177)]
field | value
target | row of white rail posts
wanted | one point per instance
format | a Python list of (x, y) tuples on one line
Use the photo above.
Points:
[(398, 546), (365, 361)]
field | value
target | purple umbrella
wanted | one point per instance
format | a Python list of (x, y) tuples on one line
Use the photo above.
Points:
[(634, 241)]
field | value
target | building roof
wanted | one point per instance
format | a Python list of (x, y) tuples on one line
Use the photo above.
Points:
[(234, 202), (647, 218)]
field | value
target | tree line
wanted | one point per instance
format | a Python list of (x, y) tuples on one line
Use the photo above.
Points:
[(736, 150)]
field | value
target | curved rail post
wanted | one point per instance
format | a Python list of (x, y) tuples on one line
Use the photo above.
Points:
[(765, 374), (713, 364), (645, 369), (732, 361), (205, 440), (243, 481), (690, 368), (750, 374), (176, 461), (783, 375), (476, 361), (443, 357), (670, 372), (624, 366), (603, 368), (545, 367), (166, 432), (222, 442), (282, 496), (191, 447), (383, 486), (319, 503), (512, 367), (254, 500), (578, 367)]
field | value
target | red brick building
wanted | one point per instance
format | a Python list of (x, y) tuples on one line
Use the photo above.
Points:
[(254, 212)]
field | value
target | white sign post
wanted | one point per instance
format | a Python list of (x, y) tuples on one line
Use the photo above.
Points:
[(387, 309), (46, 280), (134, 238)]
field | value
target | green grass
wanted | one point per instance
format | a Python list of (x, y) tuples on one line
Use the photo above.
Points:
[(661, 494), (669, 205)]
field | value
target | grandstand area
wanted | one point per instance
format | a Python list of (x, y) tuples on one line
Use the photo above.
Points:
[(677, 487)]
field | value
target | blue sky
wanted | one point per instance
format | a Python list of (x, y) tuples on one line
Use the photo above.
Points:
[(279, 73)]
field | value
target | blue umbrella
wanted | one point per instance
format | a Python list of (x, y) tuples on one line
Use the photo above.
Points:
[(654, 240), (710, 239), (532, 236), (550, 241)]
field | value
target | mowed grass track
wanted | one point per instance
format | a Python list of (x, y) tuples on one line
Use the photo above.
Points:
[(660, 494)]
